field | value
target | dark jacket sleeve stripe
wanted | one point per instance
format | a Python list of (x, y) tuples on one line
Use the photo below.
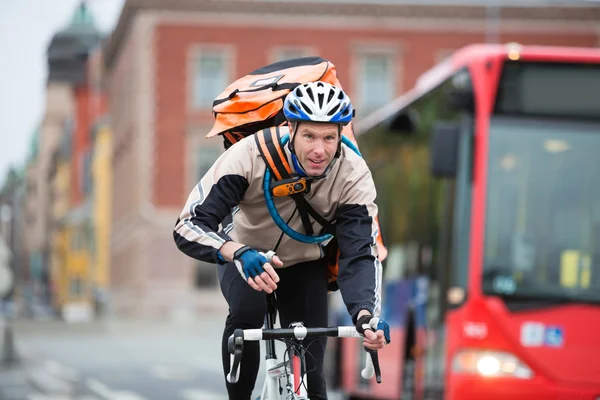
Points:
[(196, 230)]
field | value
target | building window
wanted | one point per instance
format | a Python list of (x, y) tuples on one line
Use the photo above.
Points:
[(375, 81), (210, 77), (81, 172), (88, 178), (288, 53), (84, 171)]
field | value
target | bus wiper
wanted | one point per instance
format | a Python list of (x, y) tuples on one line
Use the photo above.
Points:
[(519, 302), (498, 281)]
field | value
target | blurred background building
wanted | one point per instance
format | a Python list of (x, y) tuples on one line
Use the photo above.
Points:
[(89, 215)]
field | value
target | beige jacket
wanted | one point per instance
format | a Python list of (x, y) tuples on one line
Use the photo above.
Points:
[(235, 183)]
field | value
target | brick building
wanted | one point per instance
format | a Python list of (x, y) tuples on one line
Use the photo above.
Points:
[(168, 59)]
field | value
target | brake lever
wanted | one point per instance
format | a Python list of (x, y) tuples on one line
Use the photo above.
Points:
[(375, 359), (235, 345)]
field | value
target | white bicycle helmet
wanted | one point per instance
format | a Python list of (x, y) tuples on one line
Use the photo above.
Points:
[(318, 102)]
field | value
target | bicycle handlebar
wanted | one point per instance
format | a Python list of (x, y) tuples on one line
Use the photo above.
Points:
[(236, 345)]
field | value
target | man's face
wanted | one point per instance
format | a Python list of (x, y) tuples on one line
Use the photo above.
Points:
[(315, 145)]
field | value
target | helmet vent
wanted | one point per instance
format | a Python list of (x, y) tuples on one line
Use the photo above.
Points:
[(310, 94), (321, 98), (333, 110), (296, 109), (306, 109), (331, 94)]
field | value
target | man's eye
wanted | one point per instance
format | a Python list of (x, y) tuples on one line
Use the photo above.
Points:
[(308, 136), (329, 138)]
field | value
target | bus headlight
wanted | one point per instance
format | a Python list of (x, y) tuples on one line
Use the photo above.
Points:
[(490, 364)]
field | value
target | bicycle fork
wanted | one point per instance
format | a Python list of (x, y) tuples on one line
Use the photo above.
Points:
[(291, 370)]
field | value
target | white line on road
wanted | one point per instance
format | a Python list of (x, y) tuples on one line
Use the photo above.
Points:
[(107, 393), (173, 373), (198, 394), (46, 382), (99, 388), (58, 397), (59, 370)]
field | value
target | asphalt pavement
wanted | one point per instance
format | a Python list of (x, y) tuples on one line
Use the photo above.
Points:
[(117, 360)]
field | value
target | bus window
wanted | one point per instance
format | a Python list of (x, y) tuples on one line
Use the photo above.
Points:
[(542, 231)]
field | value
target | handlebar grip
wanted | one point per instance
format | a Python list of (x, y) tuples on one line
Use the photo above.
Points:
[(371, 366)]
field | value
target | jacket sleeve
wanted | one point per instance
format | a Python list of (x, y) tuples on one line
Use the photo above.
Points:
[(211, 201), (360, 272)]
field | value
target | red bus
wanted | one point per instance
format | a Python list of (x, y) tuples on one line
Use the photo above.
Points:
[(488, 179)]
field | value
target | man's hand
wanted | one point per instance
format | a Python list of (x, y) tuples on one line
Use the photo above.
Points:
[(255, 268), (375, 331)]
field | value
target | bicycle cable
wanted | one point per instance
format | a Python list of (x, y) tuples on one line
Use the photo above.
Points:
[(291, 343)]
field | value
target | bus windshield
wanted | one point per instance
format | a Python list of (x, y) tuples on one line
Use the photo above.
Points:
[(542, 238)]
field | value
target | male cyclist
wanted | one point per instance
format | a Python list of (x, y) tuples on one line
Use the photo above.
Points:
[(342, 190)]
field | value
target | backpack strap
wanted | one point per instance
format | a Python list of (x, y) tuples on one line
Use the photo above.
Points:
[(305, 209), (271, 150), (273, 154)]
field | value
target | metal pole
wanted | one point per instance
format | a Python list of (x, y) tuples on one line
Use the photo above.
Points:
[(9, 351)]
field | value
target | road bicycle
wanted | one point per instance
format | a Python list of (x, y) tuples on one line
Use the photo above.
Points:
[(286, 378)]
